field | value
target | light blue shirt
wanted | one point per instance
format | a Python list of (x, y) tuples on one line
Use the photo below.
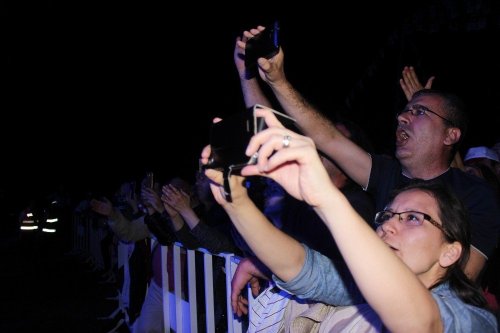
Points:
[(321, 281)]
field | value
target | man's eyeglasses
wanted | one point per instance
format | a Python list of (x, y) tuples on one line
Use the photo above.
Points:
[(409, 218), (418, 110)]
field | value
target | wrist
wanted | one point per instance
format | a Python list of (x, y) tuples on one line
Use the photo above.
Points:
[(280, 82)]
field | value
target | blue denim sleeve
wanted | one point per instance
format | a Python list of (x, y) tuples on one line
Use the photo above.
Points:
[(458, 316), (323, 281)]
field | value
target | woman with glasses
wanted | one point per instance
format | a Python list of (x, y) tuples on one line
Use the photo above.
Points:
[(406, 277)]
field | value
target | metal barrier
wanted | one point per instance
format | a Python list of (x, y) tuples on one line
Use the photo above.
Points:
[(180, 313)]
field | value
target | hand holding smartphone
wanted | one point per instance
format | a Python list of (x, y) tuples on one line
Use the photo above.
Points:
[(264, 45), (229, 138)]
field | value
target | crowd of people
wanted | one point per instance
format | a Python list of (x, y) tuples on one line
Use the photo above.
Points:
[(333, 235)]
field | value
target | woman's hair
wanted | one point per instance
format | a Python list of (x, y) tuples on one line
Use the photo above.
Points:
[(455, 222)]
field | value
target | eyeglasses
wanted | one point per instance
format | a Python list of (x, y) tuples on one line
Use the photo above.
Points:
[(409, 218), (418, 110)]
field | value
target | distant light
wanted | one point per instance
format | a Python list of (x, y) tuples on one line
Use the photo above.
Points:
[(52, 220), (48, 230), (34, 227)]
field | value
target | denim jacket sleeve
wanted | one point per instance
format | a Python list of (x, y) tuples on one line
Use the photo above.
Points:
[(321, 280)]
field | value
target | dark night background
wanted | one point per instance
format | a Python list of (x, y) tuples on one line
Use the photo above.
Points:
[(85, 82), (83, 85)]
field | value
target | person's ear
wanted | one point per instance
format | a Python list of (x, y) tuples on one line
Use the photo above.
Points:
[(451, 254), (453, 135)]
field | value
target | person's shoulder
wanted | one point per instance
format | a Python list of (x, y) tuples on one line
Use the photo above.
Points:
[(468, 181), (460, 316)]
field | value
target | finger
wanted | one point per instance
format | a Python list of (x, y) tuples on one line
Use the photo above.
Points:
[(205, 154), (273, 140), (215, 176), (264, 64), (428, 85), (247, 34), (268, 115), (270, 120), (242, 44), (405, 89), (242, 309), (255, 287), (412, 73), (300, 151), (257, 31), (234, 302)]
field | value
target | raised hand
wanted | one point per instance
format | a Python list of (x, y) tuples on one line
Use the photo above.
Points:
[(239, 51), (152, 199), (270, 70), (247, 272), (176, 198), (290, 159), (410, 82), (103, 207), (131, 198)]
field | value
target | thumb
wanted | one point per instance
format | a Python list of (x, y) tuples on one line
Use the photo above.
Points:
[(264, 64), (428, 85)]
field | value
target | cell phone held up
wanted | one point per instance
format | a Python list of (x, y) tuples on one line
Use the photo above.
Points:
[(264, 45), (229, 139)]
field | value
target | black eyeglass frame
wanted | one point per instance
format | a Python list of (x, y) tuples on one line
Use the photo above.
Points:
[(420, 110), (427, 217)]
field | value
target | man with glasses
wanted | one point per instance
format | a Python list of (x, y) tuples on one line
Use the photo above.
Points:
[(429, 132), (406, 277)]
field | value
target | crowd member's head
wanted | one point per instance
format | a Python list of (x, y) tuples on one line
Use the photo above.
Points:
[(436, 122), (431, 235), (482, 155)]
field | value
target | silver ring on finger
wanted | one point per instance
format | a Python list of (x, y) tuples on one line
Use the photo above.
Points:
[(286, 141)]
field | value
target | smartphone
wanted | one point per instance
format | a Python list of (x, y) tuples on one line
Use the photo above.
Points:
[(264, 45), (229, 138)]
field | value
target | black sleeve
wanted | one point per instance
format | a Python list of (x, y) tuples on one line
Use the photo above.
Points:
[(158, 226), (213, 240), (187, 239)]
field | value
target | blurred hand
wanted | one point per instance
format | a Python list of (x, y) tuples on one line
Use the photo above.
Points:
[(411, 84), (152, 199), (176, 198), (103, 207)]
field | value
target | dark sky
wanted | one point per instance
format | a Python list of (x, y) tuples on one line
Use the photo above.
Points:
[(86, 82)]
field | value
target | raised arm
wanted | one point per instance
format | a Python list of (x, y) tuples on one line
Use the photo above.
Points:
[(127, 231), (252, 92), (351, 158), (260, 234), (387, 284)]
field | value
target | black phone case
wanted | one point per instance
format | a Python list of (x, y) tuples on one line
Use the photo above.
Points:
[(264, 45), (229, 138)]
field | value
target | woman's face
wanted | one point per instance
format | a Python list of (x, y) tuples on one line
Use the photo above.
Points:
[(420, 247)]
